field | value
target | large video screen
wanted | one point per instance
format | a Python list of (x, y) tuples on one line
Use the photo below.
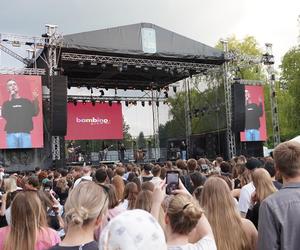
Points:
[(255, 124), (91, 122), (21, 112)]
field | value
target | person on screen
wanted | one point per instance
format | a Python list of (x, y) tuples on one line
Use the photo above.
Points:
[(18, 113), (253, 114)]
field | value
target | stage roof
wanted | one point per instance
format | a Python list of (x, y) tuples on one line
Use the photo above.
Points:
[(138, 56)]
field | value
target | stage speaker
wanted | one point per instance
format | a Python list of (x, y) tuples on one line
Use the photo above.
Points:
[(58, 105), (238, 107)]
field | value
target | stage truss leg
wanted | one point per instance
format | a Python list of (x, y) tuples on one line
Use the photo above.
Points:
[(231, 146), (187, 115), (273, 98), (57, 147), (155, 119)]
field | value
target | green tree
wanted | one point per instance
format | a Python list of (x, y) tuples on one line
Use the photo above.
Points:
[(289, 94)]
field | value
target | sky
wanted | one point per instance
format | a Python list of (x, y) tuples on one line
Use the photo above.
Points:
[(203, 20)]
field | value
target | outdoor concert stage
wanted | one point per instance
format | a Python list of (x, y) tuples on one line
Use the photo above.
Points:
[(141, 56)]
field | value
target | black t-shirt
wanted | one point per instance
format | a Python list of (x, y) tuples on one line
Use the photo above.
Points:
[(18, 114), (253, 213), (253, 113), (88, 246)]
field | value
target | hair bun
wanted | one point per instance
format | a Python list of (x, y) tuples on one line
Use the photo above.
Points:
[(78, 216), (192, 211)]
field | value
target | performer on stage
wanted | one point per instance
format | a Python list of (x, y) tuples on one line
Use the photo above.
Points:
[(183, 148), (18, 113), (122, 150), (253, 114)]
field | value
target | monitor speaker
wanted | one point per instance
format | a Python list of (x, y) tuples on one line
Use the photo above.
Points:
[(58, 105), (238, 108)]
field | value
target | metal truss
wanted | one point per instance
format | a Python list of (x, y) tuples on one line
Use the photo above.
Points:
[(14, 55), (155, 120), (187, 114), (237, 57), (231, 145), (74, 57), (22, 71)]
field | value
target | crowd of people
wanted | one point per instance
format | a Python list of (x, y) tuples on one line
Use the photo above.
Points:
[(241, 204)]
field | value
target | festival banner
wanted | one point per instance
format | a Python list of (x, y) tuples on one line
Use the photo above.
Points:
[(94, 122), (255, 124), (21, 112)]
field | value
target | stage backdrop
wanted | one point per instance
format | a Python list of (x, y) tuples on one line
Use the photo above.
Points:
[(88, 122), (255, 125), (26, 85)]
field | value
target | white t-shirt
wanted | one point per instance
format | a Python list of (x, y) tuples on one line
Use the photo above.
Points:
[(245, 197), (156, 181), (206, 243), (85, 178)]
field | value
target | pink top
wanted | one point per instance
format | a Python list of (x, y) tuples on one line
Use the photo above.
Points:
[(47, 238)]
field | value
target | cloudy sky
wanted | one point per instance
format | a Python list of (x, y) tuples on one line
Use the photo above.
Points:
[(203, 20)]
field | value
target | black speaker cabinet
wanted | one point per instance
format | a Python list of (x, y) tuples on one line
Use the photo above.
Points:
[(238, 107), (58, 105)]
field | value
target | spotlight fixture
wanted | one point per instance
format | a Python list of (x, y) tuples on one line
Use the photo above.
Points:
[(125, 67), (102, 92), (174, 89), (80, 64), (157, 103), (146, 69), (143, 103), (110, 103), (93, 102), (126, 103), (84, 101), (93, 63), (92, 91), (166, 94), (103, 66), (75, 102), (150, 103)]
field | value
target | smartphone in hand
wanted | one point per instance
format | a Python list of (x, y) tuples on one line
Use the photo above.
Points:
[(172, 181)]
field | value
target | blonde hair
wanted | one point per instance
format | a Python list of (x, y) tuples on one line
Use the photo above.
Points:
[(27, 219), (86, 202), (118, 182), (223, 216), (144, 201), (287, 158), (184, 213), (10, 184), (263, 184)]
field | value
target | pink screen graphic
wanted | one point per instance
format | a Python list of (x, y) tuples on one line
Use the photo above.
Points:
[(255, 127), (20, 113), (88, 122)]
